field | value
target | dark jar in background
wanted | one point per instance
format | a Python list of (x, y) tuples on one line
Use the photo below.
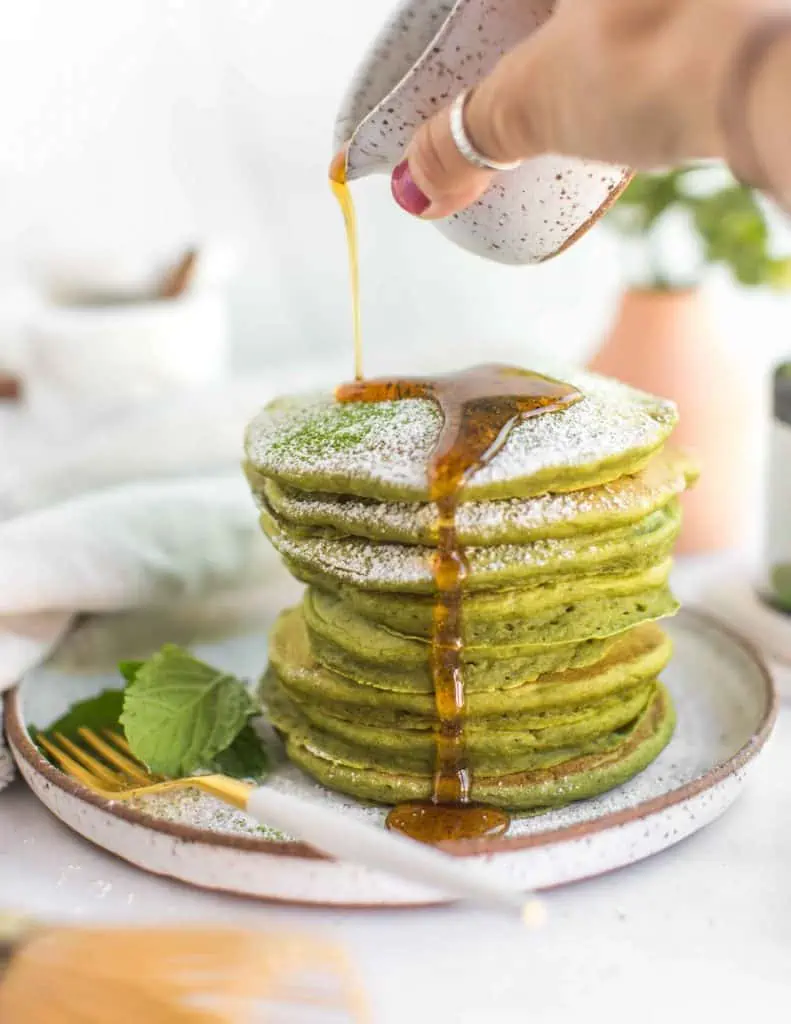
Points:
[(777, 551)]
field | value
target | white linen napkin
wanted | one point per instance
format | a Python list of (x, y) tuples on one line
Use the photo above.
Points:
[(138, 544), (144, 510)]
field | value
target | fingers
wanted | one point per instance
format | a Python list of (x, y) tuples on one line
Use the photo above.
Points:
[(500, 119), (435, 180)]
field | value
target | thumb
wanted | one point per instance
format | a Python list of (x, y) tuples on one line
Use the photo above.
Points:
[(501, 120)]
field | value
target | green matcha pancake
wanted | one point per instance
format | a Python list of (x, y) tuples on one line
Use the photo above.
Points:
[(509, 637), (382, 449), (493, 744), (481, 670), (511, 521), (411, 614), (600, 765), (401, 567), (635, 657)]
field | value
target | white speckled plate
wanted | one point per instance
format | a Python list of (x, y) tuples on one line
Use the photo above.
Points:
[(723, 694)]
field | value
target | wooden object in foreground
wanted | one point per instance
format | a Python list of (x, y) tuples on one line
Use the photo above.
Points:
[(172, 976)]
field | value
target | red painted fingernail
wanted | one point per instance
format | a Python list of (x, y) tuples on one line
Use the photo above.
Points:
[(405, 191)]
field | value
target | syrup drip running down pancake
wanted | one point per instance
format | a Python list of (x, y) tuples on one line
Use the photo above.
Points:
[(479, 409)]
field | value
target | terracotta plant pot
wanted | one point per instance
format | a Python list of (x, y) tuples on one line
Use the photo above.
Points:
[(665, 343)]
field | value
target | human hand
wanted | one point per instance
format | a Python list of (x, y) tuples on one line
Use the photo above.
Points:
[(635, 82)]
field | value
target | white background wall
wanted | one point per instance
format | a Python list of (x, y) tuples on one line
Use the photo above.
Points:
[(153, 122)]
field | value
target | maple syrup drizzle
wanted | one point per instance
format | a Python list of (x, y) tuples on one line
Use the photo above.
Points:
[(479, 408), (342, 193)]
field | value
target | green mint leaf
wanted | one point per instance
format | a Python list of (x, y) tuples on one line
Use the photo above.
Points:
[(180, 713), (100, 712), (246, 758), (129, 669)]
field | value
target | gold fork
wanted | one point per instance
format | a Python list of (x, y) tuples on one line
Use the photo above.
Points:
[(130, 778), (116, 774)]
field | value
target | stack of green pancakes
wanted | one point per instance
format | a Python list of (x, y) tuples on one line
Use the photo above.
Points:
[(568, 533)]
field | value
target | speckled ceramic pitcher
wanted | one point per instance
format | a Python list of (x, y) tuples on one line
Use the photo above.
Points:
[(430, 52)]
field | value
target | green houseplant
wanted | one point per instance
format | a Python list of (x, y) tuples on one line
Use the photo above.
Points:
[(675, 226), (728, 223)]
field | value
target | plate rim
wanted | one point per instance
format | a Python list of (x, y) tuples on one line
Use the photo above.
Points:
[(23, 747)]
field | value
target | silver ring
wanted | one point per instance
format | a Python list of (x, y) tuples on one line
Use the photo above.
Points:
[(462, 140)]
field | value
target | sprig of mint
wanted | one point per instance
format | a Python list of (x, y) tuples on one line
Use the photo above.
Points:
[(97, 713), (180, 713), (245, 758), (179, 716)]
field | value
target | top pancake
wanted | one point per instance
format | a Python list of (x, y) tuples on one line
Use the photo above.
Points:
[(382, 450)]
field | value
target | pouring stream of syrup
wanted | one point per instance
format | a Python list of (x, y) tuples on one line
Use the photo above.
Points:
[(342, 193)]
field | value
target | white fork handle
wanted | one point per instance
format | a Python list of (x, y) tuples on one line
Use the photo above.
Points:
[(365, 843)]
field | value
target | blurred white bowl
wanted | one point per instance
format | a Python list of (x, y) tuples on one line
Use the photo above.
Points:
[(93, 358), (78, 274)]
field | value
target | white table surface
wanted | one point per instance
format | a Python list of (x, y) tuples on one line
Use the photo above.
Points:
[(699, 932)]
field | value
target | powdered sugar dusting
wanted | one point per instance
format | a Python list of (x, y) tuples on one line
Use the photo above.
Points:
[(390, 443), (192, 807), (374, 565), (199, 810), (629, 497)]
